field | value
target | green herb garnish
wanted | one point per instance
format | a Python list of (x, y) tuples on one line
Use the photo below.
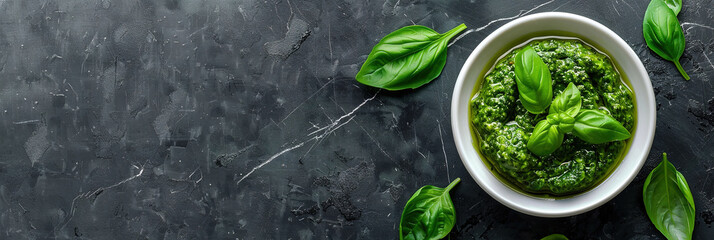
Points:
[(555, 237), (429, 214), (669, 201), (565, 116), (533, 80), (546, 138), (596, 127), (675, 5), (568, 102), (662, 31), (407, 58)]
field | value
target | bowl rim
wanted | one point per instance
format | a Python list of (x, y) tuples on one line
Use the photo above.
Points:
[(639, 154)]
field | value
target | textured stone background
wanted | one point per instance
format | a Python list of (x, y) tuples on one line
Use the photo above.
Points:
[(178, 119)]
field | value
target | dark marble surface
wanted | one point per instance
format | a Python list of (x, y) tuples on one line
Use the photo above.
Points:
[(183, 119)]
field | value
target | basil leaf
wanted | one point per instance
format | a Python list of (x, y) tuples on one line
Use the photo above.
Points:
[(533, 80), (406, 58), (566, 123), (675, 5), (596, 127), (555, 237), (668, 201), (567, 102), (663, 33), (545, 139), (429, 214)]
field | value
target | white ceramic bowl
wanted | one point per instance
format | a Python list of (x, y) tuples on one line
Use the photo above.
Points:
[(506, 37)]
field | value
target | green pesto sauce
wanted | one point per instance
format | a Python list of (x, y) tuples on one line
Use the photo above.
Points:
[(504, 126)]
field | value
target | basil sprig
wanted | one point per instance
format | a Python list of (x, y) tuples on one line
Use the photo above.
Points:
[(407, 58), (533, 80), (565, 116), (668, 201), (662, 31), (429, 214)]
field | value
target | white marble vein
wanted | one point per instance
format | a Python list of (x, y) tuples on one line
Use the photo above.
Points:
[(319, 134), (338, 120), (708, 60), (693, 25), (520, 14), (696, 25), (443, 149), (97, 191), (270, 160), (306, 99), (376, 142)]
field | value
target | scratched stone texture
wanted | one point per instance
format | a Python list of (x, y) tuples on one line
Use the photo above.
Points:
[(180, 119)]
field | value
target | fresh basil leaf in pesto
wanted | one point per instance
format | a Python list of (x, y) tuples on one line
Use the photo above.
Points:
[(668, 201), (545, 138), (596, 127), (565, 116), (675, 5), (533, 81), (568, 101), (407, 58), (563, 121), (555, 237), (429, 214), (566, 123), (663, 33)]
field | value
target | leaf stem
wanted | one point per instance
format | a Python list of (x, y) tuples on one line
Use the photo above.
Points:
[(681, 70), (452, 184), (453, 32)]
